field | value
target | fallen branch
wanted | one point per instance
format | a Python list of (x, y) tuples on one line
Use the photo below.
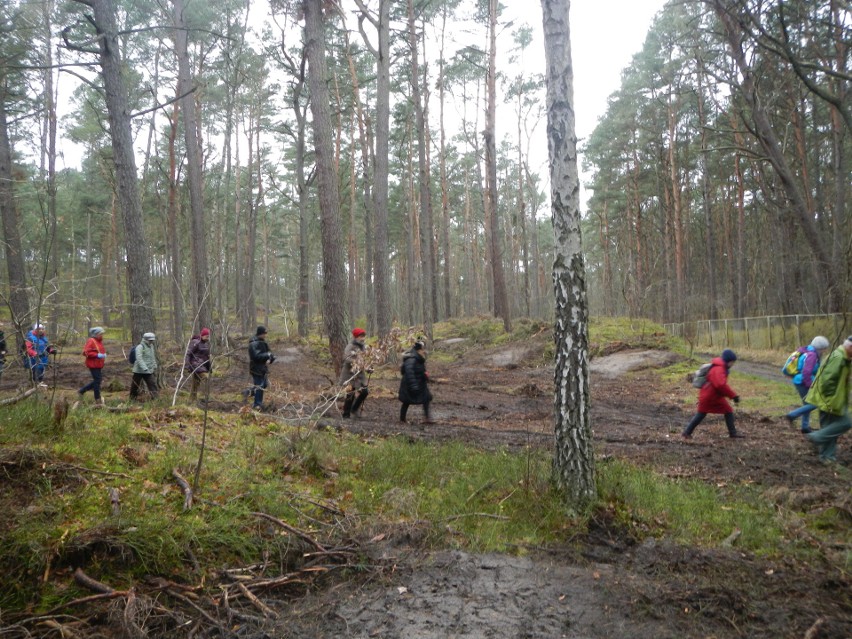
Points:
[(84, 580), (185, 487), (301, 535), (487, 515), (730, 539), (266, 610), (17, 398)]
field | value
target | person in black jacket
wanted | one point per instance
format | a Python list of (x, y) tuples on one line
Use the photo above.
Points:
[(259, 359), (413, 388)]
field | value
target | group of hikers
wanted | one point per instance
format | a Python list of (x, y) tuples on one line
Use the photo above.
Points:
[(822, 386), (353, 380)]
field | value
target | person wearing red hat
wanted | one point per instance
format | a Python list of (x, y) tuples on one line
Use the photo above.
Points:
[(353, 374), (197, 363)]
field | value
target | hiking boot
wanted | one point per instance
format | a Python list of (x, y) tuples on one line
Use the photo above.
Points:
[(790, 419), (736, 436), (686, 435), (805, 431)]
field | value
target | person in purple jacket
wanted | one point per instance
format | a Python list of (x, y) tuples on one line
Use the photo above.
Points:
[(808, 366)]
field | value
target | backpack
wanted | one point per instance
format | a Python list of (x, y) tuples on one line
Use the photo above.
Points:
[(699, 377), (791, 367), (131, 355)]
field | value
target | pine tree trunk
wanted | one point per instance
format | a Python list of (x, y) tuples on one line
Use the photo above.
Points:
[(115, 92), (334, 275), (501, 298), (197, 228), (19, 304)]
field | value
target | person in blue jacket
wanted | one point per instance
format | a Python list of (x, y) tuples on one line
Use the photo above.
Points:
[(803, 380), (38, 352)]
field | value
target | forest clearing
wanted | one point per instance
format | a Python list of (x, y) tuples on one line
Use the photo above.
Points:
[(611, 576)]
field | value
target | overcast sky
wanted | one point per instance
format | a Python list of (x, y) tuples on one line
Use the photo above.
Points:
[(605, 34)]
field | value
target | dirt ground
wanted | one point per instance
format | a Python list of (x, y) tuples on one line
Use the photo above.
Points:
[(613, 583)]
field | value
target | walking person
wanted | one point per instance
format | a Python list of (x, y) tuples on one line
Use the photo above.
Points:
[(37, 353), (714, 394), (95, 354), (145, 367), (807, 367), (197, 363), (354, 382), (2, 352), (414, 386), (830, 394), (259, 359)]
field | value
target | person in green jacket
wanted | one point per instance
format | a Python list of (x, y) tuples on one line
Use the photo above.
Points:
[(830, 394), (144, 367)]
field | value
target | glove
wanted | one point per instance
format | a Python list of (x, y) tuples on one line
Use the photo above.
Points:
[(737, 399), (370, 370), (271, 358), (101, 355), (51, 350)]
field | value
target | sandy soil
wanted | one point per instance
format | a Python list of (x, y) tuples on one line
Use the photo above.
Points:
[(612, 584)]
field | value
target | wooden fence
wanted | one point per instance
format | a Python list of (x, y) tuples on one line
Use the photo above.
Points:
[(773, 332)]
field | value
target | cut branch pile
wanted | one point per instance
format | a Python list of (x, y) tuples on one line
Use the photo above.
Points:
[(239, 602)]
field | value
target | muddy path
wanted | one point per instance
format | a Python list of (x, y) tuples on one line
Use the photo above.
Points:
[(610, 584)]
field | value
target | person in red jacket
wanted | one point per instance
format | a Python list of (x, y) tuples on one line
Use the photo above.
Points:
[(95, 355), (713, 396)]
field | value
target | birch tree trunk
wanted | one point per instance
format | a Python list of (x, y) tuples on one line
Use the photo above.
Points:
[(573, 464)]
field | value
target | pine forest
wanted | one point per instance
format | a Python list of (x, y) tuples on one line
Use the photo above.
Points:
[(323, 163)]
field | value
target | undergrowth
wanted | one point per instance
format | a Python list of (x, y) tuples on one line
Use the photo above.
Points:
[(462, 497)]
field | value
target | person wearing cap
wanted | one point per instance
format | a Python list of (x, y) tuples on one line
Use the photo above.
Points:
[(95, 354), (37, 351), (353, 374), (260, 357), (145, 367), (713, 396), (830, 394), (197, 363), (808, 366)]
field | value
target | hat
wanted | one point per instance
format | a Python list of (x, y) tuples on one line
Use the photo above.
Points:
[(418, 346), (205, 331), (358, 332), (149, 337), (261, 330), (728, 355), (95, 331), (848, 341), (37, 326), (820, 343)]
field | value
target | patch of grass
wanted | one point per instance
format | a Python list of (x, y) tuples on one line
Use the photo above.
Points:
[(690, 512), (607, 334)]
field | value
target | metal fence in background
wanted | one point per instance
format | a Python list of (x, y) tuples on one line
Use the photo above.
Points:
[(773, 332)]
